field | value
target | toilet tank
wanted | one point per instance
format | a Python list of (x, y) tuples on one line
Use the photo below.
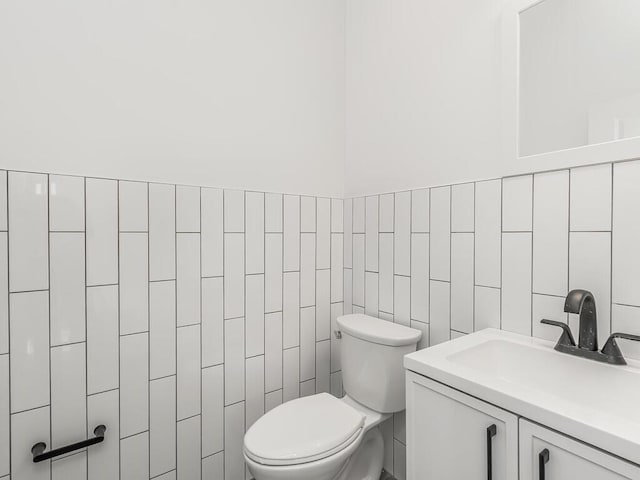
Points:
[(372, 351)]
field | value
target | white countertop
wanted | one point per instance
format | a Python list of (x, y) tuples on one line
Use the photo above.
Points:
[(588, 400)]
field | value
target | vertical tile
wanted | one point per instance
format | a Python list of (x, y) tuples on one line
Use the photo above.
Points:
[(134, 283), (348, 232), (3, 201), (4, 293), (234, 361), (272, 400), (626, 233), (348, 290), (233, 275), (551, 308), (323, 359), (273, 272), (213, 467), (551, 232), (420, 211), (402, 234), (188, 459), (162, 232), (358, 269), (233, 441), (167, 476), (290, 374), (29, 346), (188, 371), (439, 312), (462, 282), (27, 429), (254, 232), (212, 230), (291, 233), (486, 310), (440, 236), (291, 309), (455, 334), (273, 212), (212, 410), (162, 329), (134, 457), (359, 216), (67, 290), (273, 351), (626, 319), (307, 214), (102, 409), (28, 232), (517, 204), (255, 315), (371, 287), (516, 282), (323, 304), (102, 232), (400, 427), (233, 211), (336, 311), (187, 209), (386, 428), (590, 268), (402, 300), (307, 343), (188, 278), (133, 203), (399, 461), (307, 269), (162, 425), (212, 322), (254, 404), (337, 263), (591, 197), (323, 235), (462, 207), (420, 276), (308, 388), (488, 233), (385, 286), (102, 339), (134, 384), (73, 467), (371, 234), (336, 385), (68, 394), (337, 215), (387, 208), (4, 415), (66, 202)]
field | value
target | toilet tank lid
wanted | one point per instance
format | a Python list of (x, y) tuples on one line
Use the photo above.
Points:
[(378, 331)]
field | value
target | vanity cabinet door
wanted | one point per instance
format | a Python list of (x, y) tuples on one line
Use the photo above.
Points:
[(452, 436), (547, 455)]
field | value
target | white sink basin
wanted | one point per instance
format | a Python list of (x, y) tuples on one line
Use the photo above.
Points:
[(596, 402)]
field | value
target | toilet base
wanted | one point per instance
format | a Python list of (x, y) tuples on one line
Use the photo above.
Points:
[(366, 462)]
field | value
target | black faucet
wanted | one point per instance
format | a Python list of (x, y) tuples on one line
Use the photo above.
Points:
[(583, 302)]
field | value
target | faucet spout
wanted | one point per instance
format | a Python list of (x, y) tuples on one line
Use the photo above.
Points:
[(583, 302)]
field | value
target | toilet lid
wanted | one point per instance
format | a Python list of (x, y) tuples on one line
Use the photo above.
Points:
[(303, 430)]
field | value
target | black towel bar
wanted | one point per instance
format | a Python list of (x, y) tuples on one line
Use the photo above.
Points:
[(39, 454)]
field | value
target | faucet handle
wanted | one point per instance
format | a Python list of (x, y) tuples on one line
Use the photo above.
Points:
[(612, 349), (567, 337)]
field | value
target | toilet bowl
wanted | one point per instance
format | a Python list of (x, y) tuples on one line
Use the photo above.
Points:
[(317, 438), (321, 437)]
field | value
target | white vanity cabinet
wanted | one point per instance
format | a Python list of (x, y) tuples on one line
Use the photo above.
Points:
[(451, 436), (547, 455)]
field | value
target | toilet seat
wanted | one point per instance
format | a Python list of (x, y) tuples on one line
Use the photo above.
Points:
[(303, 430)]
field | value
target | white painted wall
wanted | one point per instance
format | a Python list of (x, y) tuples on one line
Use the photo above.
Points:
[(233, 93), (423, 93)]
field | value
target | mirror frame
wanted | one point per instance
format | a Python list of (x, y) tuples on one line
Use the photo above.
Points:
[(611, 151)]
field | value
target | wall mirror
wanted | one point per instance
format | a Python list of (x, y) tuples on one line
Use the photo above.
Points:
[(573, 72)]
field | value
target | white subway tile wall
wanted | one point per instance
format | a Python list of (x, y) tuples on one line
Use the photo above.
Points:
[(498, 253), (175, 315)]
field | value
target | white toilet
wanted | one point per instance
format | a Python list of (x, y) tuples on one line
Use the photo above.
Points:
[(324, 438)]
